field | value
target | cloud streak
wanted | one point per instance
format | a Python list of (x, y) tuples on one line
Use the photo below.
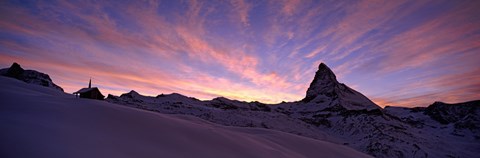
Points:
[(406, 53)]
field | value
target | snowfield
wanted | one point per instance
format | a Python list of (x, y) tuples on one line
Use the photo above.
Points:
[(37, 121)]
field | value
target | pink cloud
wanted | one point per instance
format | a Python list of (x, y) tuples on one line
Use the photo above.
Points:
[(290, 6), (157, 44), (315, 52), (242, 9), (182, 42), (431, 41), (454, 87)]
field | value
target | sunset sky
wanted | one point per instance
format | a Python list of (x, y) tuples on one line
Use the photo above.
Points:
[(401, 53)]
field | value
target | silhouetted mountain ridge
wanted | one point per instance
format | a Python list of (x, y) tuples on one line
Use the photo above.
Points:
[(334, 112), (29, 76), (326, 89)]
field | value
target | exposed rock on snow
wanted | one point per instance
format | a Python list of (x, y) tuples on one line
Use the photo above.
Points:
[(326, 89), (454, 113), (29, 76)]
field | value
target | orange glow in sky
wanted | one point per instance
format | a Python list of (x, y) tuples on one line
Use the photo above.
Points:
[(402, 53)]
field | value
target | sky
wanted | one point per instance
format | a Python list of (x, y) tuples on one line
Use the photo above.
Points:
[(397, 53)]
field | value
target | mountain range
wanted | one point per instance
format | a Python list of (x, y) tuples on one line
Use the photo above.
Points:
[(330, 111)]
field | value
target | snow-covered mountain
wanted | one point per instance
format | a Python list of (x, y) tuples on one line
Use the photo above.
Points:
[(37, 121), (332, 111), (348, 115), (29, 76), (221, 111), (326, 92), (461, 119)]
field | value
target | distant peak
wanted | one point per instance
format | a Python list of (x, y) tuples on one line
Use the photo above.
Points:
[(324, 70), (324, 75), (221, 99), (171, 95), (133, 92), (29, 76), (15, 70), (326, 86), (16, 65), (130, 94), (323, 82), (323, 66), (177, 95)]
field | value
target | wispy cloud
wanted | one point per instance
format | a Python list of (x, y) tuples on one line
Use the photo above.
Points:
[(290, 6), (242, 9), (397, 52)]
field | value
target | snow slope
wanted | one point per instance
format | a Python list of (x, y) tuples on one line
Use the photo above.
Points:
[(222, 111), (36, 121)]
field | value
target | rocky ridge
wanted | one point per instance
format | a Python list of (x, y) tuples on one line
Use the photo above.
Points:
[(29, 76)]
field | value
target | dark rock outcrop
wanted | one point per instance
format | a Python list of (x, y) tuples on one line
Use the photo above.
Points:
[(452, 113), (326, 89), (29, 76)]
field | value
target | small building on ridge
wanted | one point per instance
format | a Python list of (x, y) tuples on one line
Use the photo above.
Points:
[(90, 93)]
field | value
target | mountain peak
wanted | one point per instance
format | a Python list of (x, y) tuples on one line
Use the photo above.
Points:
[(326, 88), (130, 94), (30, 76), (325, 72), (15, 70), (133, 92), (323, 66), (323, 82)]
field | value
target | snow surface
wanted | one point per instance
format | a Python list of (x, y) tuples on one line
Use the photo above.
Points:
[(43, 122)]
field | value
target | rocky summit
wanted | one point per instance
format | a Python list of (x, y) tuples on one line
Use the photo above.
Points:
[(327, 92), (29, 76)]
